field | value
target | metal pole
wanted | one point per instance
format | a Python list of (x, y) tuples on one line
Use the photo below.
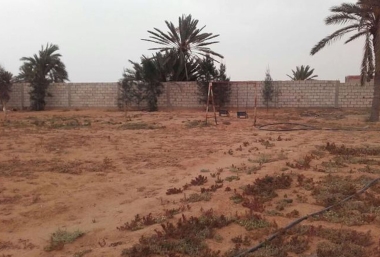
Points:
[(208, 98), (254, 121), (213, 104)]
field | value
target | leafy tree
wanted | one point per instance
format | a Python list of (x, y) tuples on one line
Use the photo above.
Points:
[(143, 81), (222, 91), (268, 90), (363, 19), (208, 72), (131, 89), (6, 79), (174, 70), (185, 41), (40, 71), (303, 73)]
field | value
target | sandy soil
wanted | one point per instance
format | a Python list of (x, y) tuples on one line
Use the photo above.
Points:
[(86, 170)]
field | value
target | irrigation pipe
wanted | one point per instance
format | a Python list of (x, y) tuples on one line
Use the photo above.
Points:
[(307, 127), (296, 222)]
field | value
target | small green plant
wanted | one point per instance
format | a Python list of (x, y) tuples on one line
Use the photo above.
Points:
[(302, 164), (61, 237), (212, 188), (173, 191), (283, 203), (230, 178), (327, 249), (139, 222), (251, 221), (196, 124), (369, 169), (306, 183), (187, 237), (264, 188), (198, 181), (253, 169), (171, 212), (262, 159), (333, 189), (139, 125), (219, 180), (206, 196), (233, 168), (241, 240), (293, 214), (237, 198), (266, 143), (268, 89), (351, 151), (253, 204)]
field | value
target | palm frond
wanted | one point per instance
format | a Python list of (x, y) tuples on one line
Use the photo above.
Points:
[(333, 37)]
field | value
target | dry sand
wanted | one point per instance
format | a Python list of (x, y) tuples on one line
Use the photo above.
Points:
[(82, 170)]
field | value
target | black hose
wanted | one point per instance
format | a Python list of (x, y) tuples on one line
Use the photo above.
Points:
[(297, 221), (303, 127), (307, 127)]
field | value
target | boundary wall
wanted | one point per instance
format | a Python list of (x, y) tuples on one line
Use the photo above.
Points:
[(317, 93)]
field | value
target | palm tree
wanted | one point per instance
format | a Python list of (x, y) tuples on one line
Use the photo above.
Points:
[(208, 72), (362, 18), (144, 81), (303, 73), (185, 41), (5, 87), (40, 71)]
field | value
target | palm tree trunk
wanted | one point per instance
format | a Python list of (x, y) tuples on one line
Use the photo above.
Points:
[(375, 109)]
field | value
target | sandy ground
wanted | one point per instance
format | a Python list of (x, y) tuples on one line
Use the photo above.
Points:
[(84, 170)]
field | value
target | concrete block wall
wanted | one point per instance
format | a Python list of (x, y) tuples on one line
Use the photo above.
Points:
[(355, 95), (307, 94), (180, 95), (185, 95), (17, 95), (93, 95), (59, 98), (243, 94)]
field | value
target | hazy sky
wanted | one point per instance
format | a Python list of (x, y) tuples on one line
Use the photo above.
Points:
[(98, 37)]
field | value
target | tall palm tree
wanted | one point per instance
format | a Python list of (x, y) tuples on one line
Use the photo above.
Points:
[(40, 71), (5, 83), (144, 81), (185, 41), (363, 19), (6, 79), (303, 73)]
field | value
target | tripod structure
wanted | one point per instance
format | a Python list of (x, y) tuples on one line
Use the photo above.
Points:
[(210, 97)]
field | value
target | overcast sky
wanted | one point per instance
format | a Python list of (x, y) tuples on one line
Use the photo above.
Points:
[(98, 37)]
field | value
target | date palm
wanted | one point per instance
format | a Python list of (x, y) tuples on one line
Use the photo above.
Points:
[(363, 20), (40, 71), (6, 79), (303, 73), (144, 81), (186, 41)]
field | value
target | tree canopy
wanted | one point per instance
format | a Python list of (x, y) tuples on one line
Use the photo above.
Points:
[(303, 73), (362, 20), (6, 79), (40, 70), (185, 41)]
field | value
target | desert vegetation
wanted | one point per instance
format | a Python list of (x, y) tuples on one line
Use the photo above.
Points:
[(144, 192)]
